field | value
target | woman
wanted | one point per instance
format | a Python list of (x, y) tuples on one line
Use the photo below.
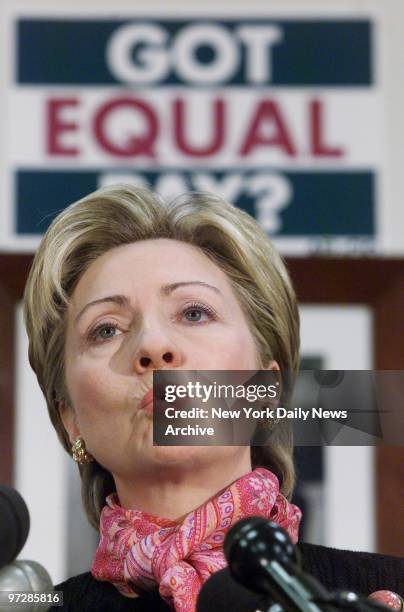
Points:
[(123, 285)]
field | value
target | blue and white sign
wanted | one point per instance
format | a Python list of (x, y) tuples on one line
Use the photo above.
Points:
[(281, 116)]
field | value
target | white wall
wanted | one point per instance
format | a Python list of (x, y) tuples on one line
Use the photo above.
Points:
[(41, 474), (343, 336)]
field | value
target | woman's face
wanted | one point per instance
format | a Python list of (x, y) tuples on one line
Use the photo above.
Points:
[(140, 307)]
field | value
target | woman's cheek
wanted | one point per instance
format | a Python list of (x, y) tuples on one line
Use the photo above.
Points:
[(92, 394), (235, 352)]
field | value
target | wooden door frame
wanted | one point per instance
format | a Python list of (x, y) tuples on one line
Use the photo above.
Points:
[(375, 282)]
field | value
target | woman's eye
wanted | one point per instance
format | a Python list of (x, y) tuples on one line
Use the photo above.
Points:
[(104, 331), (198, 313)]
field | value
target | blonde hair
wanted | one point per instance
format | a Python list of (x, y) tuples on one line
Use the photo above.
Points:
[(121, 214)]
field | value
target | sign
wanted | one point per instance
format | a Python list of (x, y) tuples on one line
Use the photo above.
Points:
[(280, 116)]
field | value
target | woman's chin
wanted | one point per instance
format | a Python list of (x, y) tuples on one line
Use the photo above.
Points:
[(189, 459), (172, 455)]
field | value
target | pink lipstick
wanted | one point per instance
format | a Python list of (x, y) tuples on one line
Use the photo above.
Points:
[(147, 402)]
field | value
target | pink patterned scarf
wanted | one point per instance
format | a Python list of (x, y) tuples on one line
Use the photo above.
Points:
[(139, 550)]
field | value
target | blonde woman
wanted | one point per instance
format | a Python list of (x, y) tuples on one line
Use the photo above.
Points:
[(124, 284)]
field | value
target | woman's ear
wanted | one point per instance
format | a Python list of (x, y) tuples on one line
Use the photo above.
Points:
[(273, 365), (275, 379), (68, 417)]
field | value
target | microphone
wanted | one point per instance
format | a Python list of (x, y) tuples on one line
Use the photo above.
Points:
[(14, 524), (221, 592), (17, 575), (262, 558)]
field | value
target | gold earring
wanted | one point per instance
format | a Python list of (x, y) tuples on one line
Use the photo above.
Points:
[(80, 453)]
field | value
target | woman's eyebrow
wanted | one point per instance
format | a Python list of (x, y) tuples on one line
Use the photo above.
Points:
[(166, 290), (121, 300)]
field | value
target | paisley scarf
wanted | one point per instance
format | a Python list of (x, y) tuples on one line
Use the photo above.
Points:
[(138, 551)]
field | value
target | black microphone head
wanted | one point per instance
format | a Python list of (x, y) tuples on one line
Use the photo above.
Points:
[(14, 524), (221, 592), (252, 541)]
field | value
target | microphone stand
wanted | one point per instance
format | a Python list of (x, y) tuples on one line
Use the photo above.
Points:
[(297, 591)]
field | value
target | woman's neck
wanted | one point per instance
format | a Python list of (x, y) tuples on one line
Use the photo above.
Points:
[(174, 493)]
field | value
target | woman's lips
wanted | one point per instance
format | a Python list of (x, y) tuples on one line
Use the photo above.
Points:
[(155, 402), (147, 402)]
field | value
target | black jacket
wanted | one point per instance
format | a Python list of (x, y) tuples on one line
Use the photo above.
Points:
[(363, 573)]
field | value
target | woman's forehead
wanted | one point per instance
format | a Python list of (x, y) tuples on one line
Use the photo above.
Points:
[(155, 262)]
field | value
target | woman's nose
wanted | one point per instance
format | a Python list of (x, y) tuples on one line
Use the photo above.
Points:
[(155, 352)]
